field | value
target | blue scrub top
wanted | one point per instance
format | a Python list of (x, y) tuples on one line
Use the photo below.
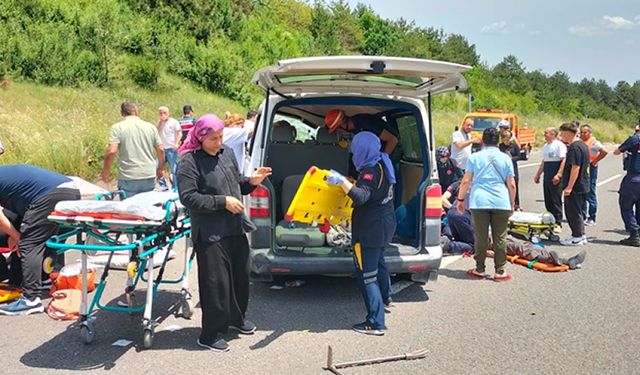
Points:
[(490, 168)]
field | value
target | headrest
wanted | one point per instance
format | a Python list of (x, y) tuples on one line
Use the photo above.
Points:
[(323, 136), (285, 133)]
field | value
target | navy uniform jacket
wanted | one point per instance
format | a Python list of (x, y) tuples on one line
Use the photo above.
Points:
[(203, 183), (373, 217)]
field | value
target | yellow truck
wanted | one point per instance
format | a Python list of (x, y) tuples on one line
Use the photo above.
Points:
[(486, 118)]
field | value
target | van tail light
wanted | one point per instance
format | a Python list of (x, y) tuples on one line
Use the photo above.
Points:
[(433, 202), (259, 203)]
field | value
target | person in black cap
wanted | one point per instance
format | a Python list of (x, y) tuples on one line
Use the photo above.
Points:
[(186, 122)]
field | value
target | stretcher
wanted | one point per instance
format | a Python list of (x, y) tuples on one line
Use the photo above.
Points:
[(141, 225), (318, 203), (534, 264), (533, 226)]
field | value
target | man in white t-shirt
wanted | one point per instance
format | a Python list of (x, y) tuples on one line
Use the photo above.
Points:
[(236, 134), (552, 165), (461, 142), (169, 130)]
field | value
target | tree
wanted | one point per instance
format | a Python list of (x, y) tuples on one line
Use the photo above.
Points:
[(457, 49)]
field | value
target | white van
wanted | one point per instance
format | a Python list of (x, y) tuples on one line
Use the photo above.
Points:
[(290, 136)]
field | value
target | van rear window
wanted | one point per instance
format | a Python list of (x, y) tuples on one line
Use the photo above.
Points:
[(409, 138)]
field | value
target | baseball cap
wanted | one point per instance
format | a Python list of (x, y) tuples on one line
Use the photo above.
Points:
[(333, 119), (503, 124)]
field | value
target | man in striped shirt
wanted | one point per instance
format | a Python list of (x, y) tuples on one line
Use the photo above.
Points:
[(186, 122)]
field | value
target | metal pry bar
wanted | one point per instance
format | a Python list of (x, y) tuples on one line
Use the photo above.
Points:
[(333, 367)]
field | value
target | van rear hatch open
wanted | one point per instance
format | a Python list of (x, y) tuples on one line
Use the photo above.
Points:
[(362, 74)]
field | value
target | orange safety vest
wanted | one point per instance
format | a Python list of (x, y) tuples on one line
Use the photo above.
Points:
[(592, 154)]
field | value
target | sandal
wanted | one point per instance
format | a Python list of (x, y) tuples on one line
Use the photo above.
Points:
[(472, 273), (500, 277)]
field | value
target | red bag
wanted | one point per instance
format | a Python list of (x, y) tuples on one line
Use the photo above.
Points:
[(59, 282)]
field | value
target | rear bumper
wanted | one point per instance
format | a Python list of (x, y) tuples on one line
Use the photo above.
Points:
[(422, 266)]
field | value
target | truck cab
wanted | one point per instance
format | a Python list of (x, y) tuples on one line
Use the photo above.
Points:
[(486, 118)]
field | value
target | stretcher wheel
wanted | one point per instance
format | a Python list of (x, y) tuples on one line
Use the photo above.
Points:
[(554, 238), (87, 333), (47, 265), (132, 269), (147, 338), (187, 307)]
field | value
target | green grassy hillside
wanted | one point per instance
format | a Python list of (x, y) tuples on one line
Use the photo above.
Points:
[(67, 129)]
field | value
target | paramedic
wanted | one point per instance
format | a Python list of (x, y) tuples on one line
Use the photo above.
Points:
[(31, 193), (490, 175), (629, 199), (137, 143), (337, 119), (211, 188), (373, 225), (448, 172)]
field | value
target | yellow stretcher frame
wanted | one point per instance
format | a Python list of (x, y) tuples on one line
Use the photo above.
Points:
[(316, 202)]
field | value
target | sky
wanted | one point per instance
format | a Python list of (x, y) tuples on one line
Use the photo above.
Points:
[(585, 39)]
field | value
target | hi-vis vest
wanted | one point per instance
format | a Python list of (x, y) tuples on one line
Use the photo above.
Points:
[(593, 154)]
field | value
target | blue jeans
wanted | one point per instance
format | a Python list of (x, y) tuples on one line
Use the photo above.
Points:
[(590, 205), (374, 283), (171, 158), (133, 187)]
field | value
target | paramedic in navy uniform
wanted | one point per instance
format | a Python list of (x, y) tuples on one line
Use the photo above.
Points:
[(210, 187), (373, 224), (630, 189)]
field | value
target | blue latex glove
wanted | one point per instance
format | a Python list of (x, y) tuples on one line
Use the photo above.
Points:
[(335, 178)]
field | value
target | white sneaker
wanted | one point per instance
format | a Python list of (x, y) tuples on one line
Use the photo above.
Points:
[(574, 241), (589, 222)]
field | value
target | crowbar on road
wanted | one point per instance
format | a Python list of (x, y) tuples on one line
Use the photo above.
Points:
[(333, 367)]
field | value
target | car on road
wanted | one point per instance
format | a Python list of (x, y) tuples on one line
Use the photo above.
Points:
[(290, 137)]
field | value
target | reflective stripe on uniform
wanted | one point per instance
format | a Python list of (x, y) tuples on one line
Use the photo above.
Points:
[(357, 252)]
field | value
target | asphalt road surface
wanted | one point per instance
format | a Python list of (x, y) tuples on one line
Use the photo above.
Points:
[(577, 322)]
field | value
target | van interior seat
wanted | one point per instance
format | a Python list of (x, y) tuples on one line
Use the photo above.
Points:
[(323, 137), (293, 233), (283, 134)]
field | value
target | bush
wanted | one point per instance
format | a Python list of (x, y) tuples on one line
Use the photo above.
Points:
[(143, 71)]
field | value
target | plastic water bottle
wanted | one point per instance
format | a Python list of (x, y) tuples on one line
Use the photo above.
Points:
[(293, 283), (536, 241)]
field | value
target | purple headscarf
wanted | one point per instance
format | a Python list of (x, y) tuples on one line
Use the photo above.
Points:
[(365, 148), (205, 125)]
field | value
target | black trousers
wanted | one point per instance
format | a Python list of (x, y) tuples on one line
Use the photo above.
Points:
[(573, 210), (223, 281), (35, 230), (553, 199)]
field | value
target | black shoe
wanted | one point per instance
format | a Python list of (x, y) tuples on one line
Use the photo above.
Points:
[(577, 260), (388, 304), (632, 240), (368, 329), (220, 345), (247, 328)]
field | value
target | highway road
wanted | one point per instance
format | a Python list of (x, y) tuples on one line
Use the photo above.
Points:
[(579, 322)]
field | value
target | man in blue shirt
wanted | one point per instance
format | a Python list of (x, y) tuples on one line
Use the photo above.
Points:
[(31, 193), (629, 199)]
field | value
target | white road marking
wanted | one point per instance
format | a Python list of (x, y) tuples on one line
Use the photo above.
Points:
[(608, 180)]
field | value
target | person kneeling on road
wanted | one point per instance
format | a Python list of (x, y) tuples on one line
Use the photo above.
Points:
[(31, 193), (373, 224)]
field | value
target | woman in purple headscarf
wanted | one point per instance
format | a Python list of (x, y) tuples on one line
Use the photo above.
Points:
[(373, 224), (210, 187)]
